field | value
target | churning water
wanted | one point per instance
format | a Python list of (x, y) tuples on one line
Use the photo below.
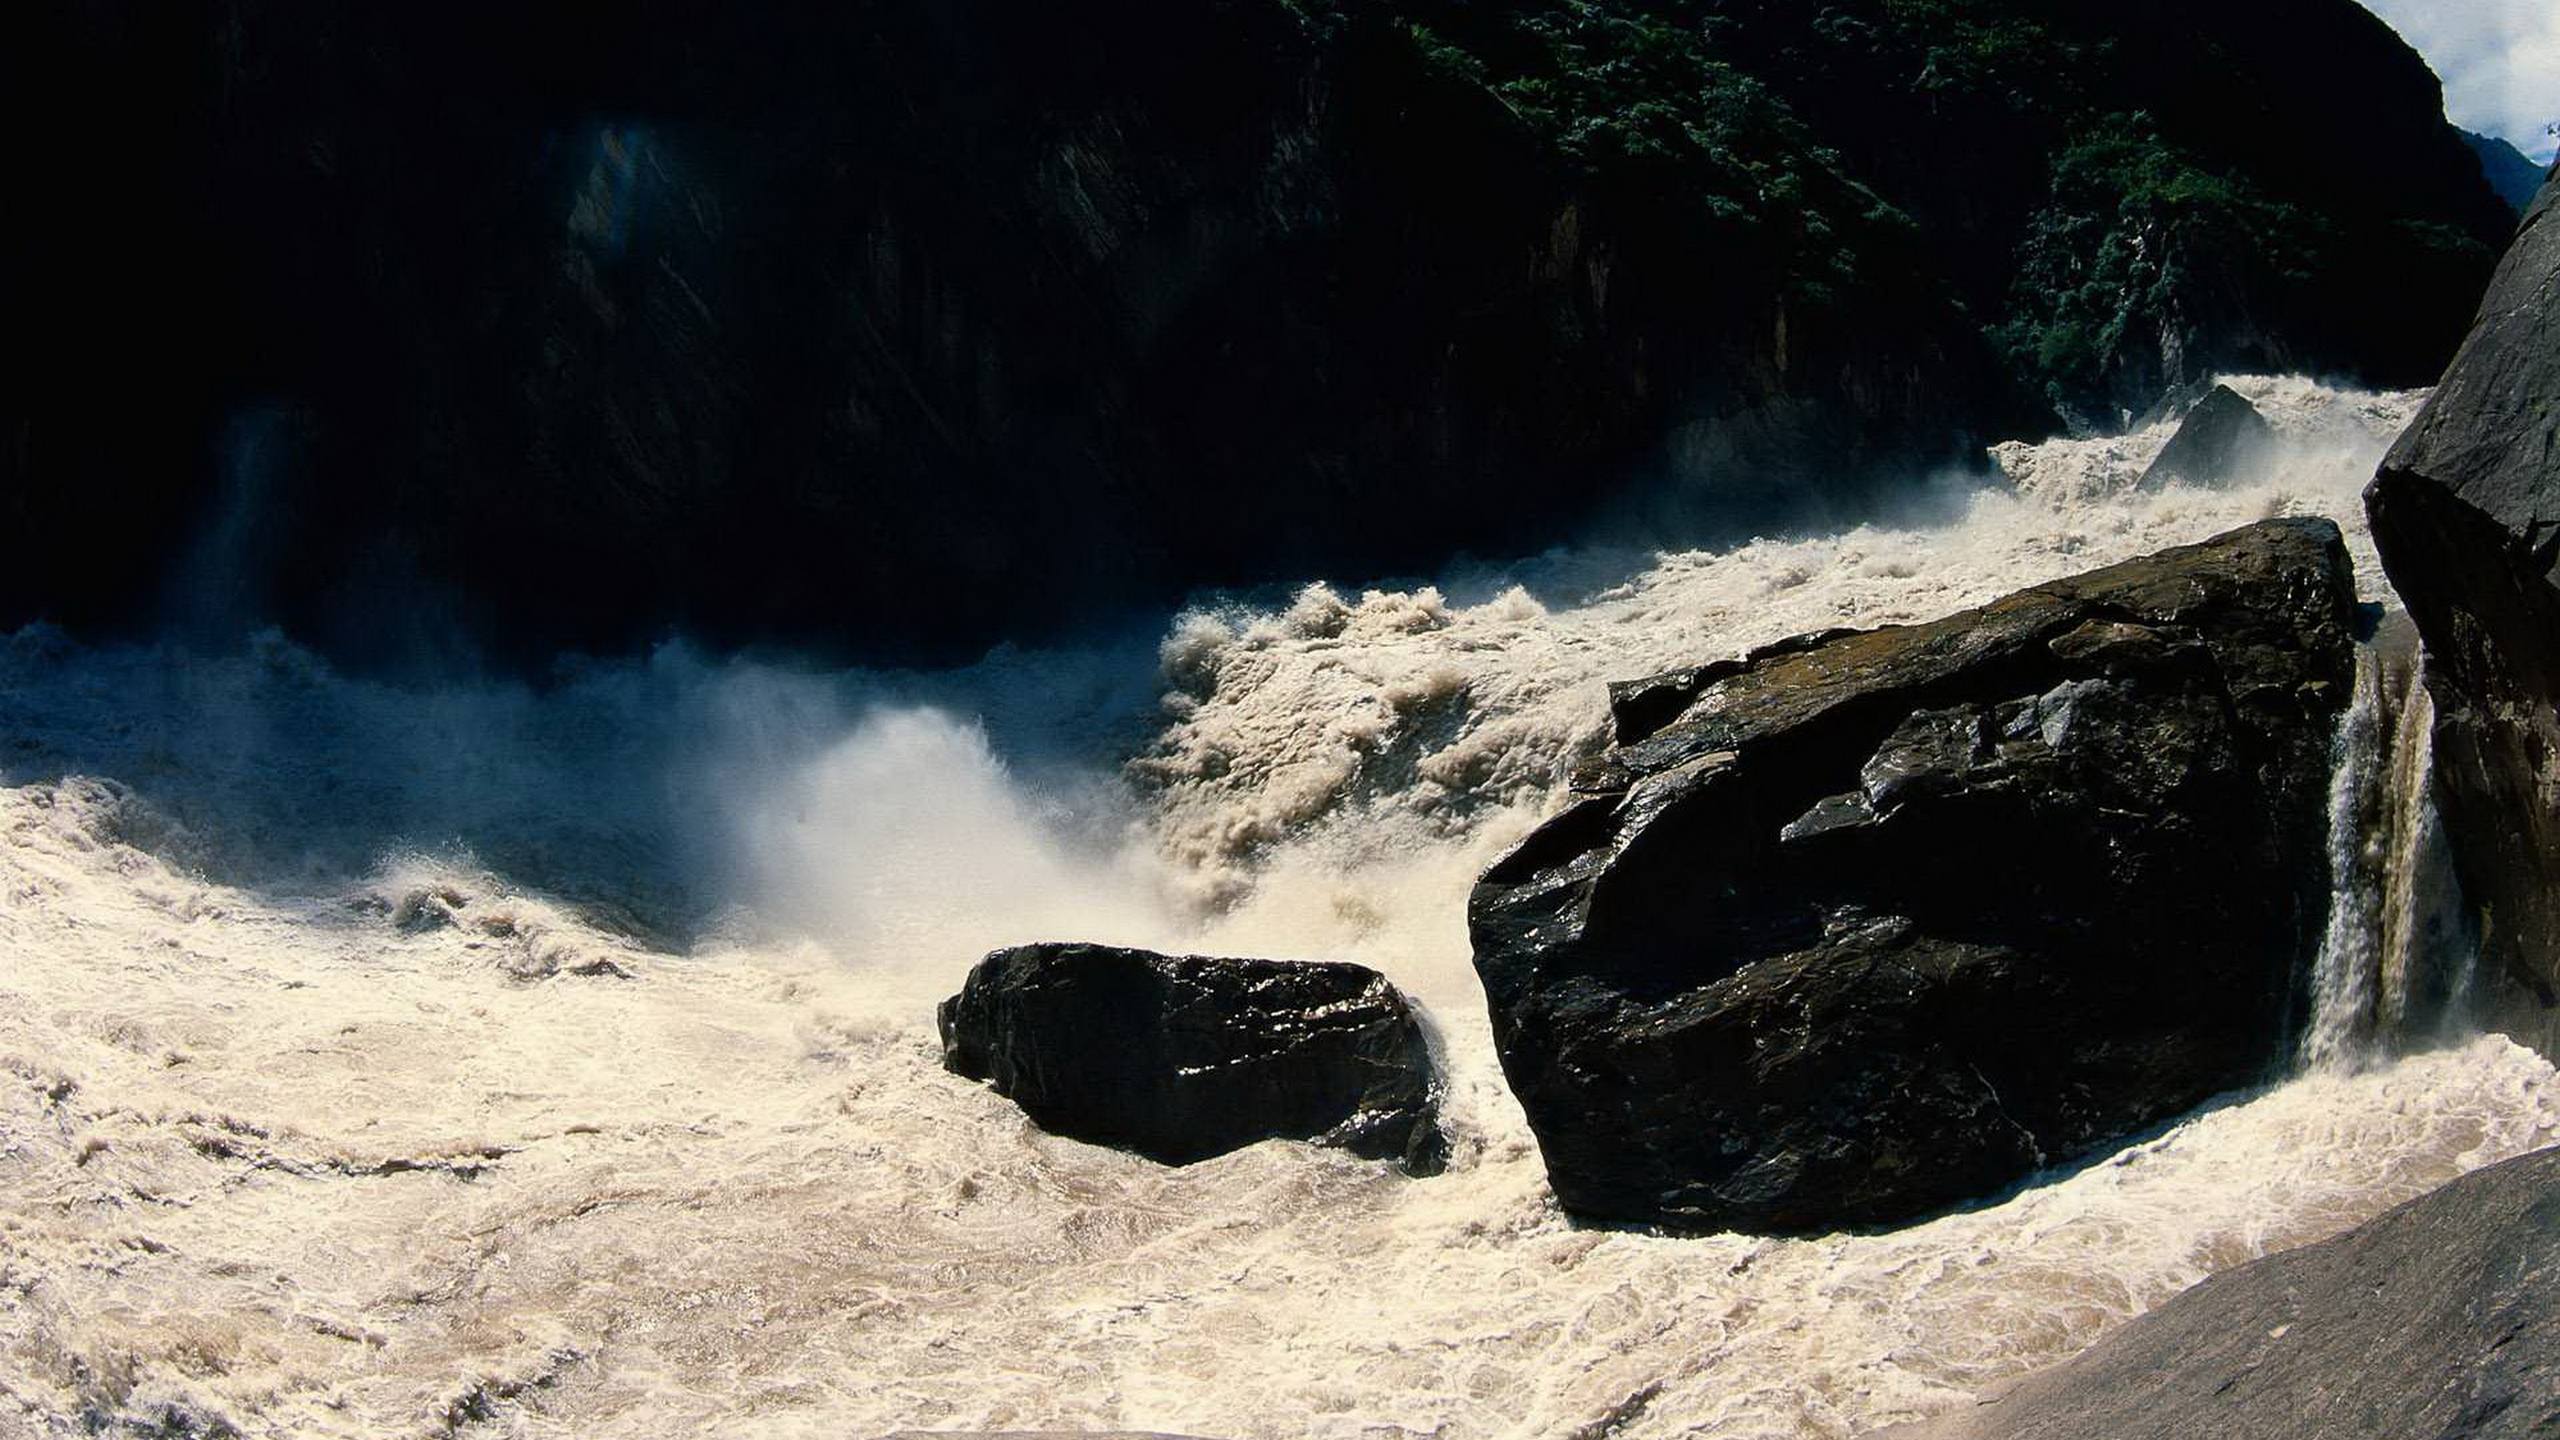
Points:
[(484, 1060)]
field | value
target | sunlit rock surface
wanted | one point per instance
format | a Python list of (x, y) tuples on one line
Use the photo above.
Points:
[(2441, 1319)]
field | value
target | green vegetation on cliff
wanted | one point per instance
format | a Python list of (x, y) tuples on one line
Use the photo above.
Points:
[(2126, 203)]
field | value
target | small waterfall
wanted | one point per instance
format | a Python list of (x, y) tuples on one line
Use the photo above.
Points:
[(2395, 963), (2346, 975), (2430, 956)]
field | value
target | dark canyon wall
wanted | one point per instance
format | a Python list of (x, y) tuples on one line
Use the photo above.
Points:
[(897, 327)]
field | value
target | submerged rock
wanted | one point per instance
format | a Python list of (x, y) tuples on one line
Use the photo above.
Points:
[(2221, 438), (2466, 513), (1182, 1057), (1868, 923), (2441, 1318)]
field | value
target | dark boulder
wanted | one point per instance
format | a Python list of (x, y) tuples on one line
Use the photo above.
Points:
[(2440, 1318), (2221, 438), (1182, 1057), (1869, 923), (2466, 513)]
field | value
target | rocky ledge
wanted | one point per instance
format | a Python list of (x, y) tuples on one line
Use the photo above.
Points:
[(1868, 923), (1183, 1057), (2441, 1318)]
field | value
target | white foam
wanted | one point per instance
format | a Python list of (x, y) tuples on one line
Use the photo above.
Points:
[(387, 1061)]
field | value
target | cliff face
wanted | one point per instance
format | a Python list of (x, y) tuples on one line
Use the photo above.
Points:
[(2136, 202), (2466, 513), (900, 327)]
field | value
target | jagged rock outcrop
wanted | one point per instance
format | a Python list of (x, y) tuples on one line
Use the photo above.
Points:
[(2466, 513), (2221, 438), (1182, 1057), (1868, 923), (2438, 1319)]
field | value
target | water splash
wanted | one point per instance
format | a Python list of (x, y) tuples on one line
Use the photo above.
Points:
[(304, 1138), (2395, 961), (2344, 975)]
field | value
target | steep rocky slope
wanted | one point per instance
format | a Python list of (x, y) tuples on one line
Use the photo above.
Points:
[(898, 327)]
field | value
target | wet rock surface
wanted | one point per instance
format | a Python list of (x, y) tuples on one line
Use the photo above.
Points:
[(2218, 442), (2440, 1318), (1868, 923), (1184, 1057), (2466, 514)]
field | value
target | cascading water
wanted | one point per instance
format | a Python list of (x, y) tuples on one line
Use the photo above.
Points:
[(2349, 963), (2394, 966), (2430, 956), (376, 1061)]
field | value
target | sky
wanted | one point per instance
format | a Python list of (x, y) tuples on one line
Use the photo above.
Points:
[(2500, 60)]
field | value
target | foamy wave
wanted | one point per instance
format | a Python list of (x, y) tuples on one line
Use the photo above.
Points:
[(383, 1061)]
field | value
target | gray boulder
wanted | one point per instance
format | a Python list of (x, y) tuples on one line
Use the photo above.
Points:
[(2221, 438), (2440, 1319), (2466, 512), (1869, 923), (1183, 1057)]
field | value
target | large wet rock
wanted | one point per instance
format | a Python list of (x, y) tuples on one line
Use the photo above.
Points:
[(2439, 1319), (1872, 922), (1182, 1057), (2466, 512), (2221, 439)]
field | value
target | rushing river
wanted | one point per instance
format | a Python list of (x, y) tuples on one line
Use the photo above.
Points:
[(383, 1059)]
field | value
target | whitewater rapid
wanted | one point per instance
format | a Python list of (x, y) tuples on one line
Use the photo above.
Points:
[(383, 1060)]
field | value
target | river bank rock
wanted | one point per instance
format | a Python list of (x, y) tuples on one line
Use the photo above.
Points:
[(2466, 513), (2440, 1318), (1184, 1057), (1868, 923)]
